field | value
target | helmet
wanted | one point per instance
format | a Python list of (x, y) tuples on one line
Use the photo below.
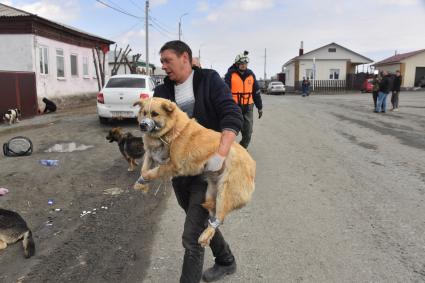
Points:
[(242, 58)]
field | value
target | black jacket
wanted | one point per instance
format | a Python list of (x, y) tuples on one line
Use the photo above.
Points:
[(396, 83), (214, 106), (384, 85), (256, 95)]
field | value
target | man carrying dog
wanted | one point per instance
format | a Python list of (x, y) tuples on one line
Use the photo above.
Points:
[(203, 95), (246, 92)]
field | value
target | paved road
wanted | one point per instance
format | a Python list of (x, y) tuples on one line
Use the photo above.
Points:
[(339, 198)]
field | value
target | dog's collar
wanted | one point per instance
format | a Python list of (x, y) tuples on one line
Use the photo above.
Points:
[(175, 133)]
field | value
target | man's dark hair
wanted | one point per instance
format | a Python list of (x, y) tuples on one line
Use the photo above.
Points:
[(179, 47)]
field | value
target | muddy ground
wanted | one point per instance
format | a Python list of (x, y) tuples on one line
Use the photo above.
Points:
[(101, 247)]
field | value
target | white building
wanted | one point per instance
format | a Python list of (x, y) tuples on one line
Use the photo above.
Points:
[(411, 66), (60, 56), (331, 62)]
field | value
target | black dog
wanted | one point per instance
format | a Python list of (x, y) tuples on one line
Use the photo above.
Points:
[(50, 106), (131, 147), (14, 228)]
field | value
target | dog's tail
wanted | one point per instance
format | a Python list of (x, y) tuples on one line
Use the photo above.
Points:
[(29, 246)]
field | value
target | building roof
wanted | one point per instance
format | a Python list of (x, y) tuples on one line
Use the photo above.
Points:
[(398, 58), (11, 14), (332, 43)]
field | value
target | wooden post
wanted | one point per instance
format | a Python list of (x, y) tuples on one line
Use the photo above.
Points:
[(95, 67)]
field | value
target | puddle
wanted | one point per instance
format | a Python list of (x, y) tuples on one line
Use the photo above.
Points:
[(68, 147)]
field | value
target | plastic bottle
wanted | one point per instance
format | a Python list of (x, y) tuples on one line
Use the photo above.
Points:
[(49, 162)]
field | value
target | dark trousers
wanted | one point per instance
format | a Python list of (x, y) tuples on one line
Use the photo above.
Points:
[(190, 194), (375, 97), (394, 99), (248, 122)]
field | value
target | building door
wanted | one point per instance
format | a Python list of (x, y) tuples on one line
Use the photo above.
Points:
[(18, 91), (420, 76)]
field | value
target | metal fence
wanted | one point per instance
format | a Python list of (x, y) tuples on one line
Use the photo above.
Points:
[(353, 82)]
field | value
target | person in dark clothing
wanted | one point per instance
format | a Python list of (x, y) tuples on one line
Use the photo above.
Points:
[(203, 95), (375, 89), (50, 106), (246, 92), (396, 90), (305, 85), (384, 90)]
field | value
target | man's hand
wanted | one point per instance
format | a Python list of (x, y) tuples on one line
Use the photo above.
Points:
[(215, 163), (260, 113)]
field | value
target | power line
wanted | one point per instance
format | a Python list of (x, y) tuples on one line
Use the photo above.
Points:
[(160, 23), (161, 32), (163, 29), (119, 10), (136, 5)]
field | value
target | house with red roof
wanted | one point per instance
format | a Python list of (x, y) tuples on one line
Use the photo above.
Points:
[(411, 66)]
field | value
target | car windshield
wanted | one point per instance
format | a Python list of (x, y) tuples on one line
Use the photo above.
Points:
[(126, 83), (277, 83)]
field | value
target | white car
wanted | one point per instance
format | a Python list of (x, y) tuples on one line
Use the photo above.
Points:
[(115, 100), (276, 88)]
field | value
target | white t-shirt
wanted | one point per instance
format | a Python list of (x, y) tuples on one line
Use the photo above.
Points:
[(185, 97)]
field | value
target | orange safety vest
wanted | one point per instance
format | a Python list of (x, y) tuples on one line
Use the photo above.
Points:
[(242, 90)]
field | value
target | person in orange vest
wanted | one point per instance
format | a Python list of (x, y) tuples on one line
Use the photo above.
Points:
[(246, 92)]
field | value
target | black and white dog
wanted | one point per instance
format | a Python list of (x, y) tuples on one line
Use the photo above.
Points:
[(12, 116)]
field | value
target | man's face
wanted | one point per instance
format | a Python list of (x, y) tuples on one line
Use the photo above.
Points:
[(174, 65), (243, 67)]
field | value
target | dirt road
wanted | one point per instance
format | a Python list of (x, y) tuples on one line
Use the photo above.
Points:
[(339, 198)]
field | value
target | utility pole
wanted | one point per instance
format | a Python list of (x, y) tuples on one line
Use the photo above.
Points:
[(180, 25), (265, 60), (147, 36)]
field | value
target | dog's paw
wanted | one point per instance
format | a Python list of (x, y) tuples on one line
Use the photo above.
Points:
[(206, 236), (141, 187)]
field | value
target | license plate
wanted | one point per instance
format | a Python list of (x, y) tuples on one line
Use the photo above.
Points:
[(122, 114)]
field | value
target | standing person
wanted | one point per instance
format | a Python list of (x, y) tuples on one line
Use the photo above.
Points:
[(384, 90), (396, 90), (246, 92), (305, 87), (375, 89), (203, 95)]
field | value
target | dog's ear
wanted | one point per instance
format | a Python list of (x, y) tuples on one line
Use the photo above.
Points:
[(140, 103), (168, 106)]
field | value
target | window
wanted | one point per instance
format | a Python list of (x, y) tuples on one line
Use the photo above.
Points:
[(44, 59), (334, 74), (309, 73), (60, 64), (331, 49), (74, 65), (85, 67), (126, 82)]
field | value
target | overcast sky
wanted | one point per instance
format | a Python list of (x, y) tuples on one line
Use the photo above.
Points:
[(224, 28)]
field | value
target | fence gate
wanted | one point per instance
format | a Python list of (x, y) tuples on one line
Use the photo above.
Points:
[(18, 90)]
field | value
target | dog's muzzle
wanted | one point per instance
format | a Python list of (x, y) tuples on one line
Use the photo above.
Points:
[(147, 125)]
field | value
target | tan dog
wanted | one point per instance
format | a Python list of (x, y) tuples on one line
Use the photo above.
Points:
[(189, 146)]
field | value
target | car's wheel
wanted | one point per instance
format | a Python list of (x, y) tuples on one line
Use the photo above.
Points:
[(283, 93), (103, 120)]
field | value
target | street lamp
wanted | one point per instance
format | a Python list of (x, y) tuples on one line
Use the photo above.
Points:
[(180, 24)]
